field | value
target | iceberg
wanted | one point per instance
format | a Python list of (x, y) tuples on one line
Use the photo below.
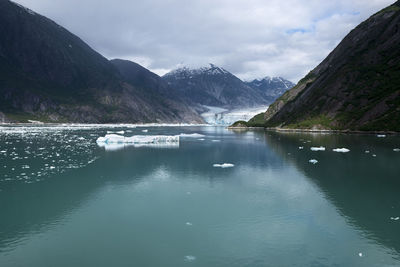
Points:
[(224, 165), (396, 149), (342, 150), (145, 130), (381, 135), (395, 218), (301, 147), (138, 139), (321, 148), (313, 161)]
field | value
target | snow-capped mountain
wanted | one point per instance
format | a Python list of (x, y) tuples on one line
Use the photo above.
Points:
[(214, 86), (271, 87)]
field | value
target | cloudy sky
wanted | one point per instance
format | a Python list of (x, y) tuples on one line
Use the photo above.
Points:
[(250, 38)]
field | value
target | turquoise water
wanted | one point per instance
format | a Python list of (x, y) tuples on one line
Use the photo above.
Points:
[(65, 201)]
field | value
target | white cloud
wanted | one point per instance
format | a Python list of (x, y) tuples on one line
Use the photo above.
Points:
[(251, 38)]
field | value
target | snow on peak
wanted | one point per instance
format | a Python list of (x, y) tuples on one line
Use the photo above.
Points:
[(186, 71)]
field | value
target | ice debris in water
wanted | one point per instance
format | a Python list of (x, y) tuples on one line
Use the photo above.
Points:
[(190, 258), (396, 149), (395, 218), (301, 147), (381, 135), (145, 130), (360, 254), (367, 151), (119, 132), (321, 148), (313, 161), (374, 155), (193, 135), (224, 165), (138, 139), (215, 140), (189, 224), (341, 150)]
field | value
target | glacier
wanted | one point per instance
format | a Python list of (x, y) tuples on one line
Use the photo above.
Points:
[(225, 117)]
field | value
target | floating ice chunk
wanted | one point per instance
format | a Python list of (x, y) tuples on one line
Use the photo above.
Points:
[(193, 135), (313, 161), (381, 135), (374, 155), (321, 148), (145, 130), (201, 139), (395, 218), (138, 139), (396, 149), (189, 224), (119, 132), (190, 258), (341, 150), (301, 147), (224, 165), (367, 151), (215, 140), (360, 254)]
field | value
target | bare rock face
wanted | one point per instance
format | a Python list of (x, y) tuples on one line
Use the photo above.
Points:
[(357, 87)]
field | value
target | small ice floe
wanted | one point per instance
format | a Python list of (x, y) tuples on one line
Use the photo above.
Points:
[(341, 150), (201, 139), (374, 155), (118, 132), (215, 140), (396, 149), (381, 135), (190, 258), (360, 254), (321, 148), (189, 224), (367, 151), (301, 147), (395, 218), (313, 161), (145, 130), (192, 135), (224, 165)]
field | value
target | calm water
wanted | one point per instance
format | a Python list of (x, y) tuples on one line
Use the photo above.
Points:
[(64, 201)]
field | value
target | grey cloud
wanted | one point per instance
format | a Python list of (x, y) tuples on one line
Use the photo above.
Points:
[(252, 38)]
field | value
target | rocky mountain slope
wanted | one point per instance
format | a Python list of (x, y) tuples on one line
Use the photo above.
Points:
[(49, 74), (271, 87), (213, 86), (357, 87)]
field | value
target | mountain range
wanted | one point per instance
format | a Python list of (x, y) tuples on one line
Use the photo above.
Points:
[(215, 86), (51, 75), (357, 87)]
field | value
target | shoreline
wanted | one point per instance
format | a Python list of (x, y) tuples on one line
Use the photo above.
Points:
[(297, 130)]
